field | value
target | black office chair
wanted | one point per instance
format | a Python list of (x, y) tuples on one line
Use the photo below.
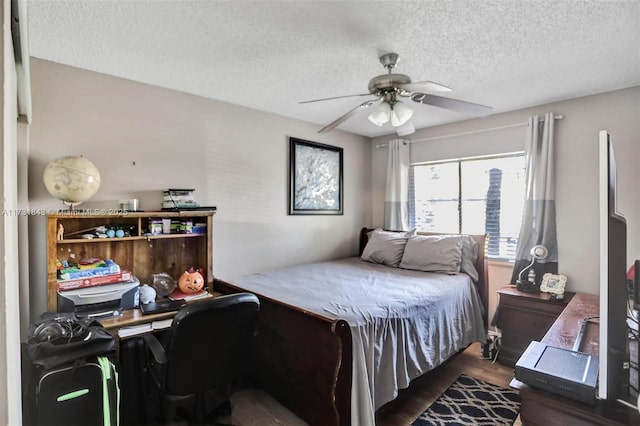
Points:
[(204, 354)]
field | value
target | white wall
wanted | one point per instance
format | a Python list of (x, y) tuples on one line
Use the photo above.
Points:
[(4, 366), (235, 158), (23, 223), (576, 164), (10, 376)]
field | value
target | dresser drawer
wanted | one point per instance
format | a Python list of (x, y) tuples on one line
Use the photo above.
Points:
[(526, 321), (541, 306), (517, 341), (525, 317)]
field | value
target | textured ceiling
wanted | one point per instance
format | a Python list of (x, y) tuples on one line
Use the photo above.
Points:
[(269, 55)]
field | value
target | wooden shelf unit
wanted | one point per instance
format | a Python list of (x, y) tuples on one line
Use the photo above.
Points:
[(141, 254)]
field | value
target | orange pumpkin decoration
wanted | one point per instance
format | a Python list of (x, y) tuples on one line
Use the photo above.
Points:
[(191, 282)]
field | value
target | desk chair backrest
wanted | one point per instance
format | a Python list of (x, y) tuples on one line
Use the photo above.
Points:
[(208, 345)]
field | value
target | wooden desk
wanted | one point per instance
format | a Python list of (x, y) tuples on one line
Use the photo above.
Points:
[(544, 408), (132, 317)]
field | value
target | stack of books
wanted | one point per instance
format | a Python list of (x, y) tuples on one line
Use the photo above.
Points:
[(84, 269), (90, 273), (146, 327), (118, 277), (179, 295), (179, 199)]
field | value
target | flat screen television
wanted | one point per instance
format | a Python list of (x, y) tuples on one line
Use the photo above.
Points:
[(613, 348)]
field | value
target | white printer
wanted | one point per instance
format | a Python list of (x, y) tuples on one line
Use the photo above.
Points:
[(100, 301)]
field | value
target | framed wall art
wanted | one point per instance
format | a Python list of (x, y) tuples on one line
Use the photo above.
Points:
[(315, 178)]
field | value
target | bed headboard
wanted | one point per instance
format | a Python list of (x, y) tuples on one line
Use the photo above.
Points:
[(481, 265)]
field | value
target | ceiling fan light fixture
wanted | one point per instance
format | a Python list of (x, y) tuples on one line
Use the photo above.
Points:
[(389, 87), (380, 114), (400, 114), (406, 129)]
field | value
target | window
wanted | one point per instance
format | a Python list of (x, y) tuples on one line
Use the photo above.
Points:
[(474, 196)]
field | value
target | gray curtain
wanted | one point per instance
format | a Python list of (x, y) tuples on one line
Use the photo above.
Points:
[(539, 216), (396, 200)]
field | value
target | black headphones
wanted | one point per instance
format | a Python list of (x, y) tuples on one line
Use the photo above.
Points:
[(58, 331), (48, 331)]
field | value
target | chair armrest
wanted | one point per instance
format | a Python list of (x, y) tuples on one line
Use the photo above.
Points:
[(155, 347)]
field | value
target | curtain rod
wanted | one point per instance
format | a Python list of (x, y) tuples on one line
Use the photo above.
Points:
[(471, 132)]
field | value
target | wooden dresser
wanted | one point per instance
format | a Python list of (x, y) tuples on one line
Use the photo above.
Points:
[(543, 408), (524, 317)]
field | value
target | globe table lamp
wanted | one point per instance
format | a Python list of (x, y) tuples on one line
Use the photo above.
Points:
[(71, 179), (538, 252)]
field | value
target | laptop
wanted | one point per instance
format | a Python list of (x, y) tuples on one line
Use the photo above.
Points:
[(162, 306)]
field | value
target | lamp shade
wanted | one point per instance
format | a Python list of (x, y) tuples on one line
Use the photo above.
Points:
[(539, 252), (400, 114), (380, 114)]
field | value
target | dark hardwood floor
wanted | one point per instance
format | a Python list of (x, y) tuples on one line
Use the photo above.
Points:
[(424, 390), (255, 408)]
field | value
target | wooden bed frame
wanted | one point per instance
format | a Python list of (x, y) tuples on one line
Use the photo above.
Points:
[(304, 360)]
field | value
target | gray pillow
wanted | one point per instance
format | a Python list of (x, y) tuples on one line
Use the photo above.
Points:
[(469, 257), (410, 233), (384, 247), (433, 253), (469, 254)]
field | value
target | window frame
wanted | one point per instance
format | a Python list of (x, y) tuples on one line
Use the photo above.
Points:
[(459, 162)]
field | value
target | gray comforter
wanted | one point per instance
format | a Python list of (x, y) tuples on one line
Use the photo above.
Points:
[(403, 323)]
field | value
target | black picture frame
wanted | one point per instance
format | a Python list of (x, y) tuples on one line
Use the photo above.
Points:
[(315, 178)]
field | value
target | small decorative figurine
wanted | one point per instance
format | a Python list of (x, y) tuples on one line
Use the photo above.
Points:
[(191, 282), (60, 234), (147, 294)]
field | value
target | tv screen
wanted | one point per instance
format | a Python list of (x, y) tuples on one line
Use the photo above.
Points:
[(613, 351)]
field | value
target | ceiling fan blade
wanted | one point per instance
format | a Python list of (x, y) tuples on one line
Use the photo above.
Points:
[(344, 118), (452, 104), (427, 86), (335, 97)]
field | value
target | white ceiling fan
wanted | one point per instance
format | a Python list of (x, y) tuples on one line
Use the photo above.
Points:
[(390, 88)]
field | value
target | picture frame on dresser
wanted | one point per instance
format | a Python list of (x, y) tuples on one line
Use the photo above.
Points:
[(315, 178), (554, 285)]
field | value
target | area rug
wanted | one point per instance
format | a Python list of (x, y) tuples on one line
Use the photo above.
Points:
[(470, 401)]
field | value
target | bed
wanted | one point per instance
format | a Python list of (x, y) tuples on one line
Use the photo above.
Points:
[(338, 339)]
